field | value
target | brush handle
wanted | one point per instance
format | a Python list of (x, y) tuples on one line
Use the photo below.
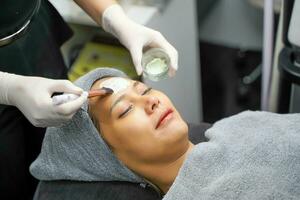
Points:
[(67, 97)]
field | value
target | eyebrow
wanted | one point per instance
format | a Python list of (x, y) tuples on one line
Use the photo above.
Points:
[(121, 97)]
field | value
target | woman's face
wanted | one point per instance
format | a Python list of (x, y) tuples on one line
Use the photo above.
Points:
[(140, 124)]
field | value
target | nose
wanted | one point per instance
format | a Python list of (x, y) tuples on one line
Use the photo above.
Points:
[(152, 103)]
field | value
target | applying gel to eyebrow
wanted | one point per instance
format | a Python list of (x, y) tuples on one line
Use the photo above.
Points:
[(117, 84), (66, 97)]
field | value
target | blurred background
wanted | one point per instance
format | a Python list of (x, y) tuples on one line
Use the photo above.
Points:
[(219, 44)]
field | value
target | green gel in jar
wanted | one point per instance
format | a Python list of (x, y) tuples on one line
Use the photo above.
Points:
[(156, 66), (155, 63)]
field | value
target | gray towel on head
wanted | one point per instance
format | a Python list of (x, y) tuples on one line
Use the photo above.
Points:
[(76, 151), (253, 155)]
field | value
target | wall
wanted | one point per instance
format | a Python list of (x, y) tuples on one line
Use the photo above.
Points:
[(178, 23)]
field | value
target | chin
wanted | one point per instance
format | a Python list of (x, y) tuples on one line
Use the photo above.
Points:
[(178, 130), (178, 139), (182, 129)]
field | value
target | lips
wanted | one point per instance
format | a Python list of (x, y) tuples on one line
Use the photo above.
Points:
[(164, 116)]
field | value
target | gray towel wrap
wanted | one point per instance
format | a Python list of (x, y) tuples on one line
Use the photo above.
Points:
[(76, 151)]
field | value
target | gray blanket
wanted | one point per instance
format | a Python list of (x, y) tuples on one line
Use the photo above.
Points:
[(253, 155)]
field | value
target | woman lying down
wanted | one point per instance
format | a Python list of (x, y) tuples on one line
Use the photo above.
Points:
[(136, 134)]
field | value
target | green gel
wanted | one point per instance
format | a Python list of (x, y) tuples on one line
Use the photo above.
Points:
[(156, 66)]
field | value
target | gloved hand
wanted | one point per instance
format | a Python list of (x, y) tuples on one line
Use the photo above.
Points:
[(32, 96), (135, 37)]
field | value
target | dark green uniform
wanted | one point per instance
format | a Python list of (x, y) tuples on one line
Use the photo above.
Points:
[(36, 53)]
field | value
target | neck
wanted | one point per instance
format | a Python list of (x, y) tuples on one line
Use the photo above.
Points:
[(163, 175)]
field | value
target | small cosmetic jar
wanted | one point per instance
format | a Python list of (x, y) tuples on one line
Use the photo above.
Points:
[(155, 63)]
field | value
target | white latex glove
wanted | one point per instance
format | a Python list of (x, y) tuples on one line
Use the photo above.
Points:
[(135, 37), (32, 96)]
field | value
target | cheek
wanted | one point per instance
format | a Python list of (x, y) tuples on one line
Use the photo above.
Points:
[(137, 123), (136, 126)]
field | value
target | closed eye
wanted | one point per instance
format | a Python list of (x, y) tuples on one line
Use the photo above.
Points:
[(147, 90), (131, 106), (126, 111)]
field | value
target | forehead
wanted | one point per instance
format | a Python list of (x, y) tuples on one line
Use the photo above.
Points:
[(115, 83), (118, 84), (100, 106)]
